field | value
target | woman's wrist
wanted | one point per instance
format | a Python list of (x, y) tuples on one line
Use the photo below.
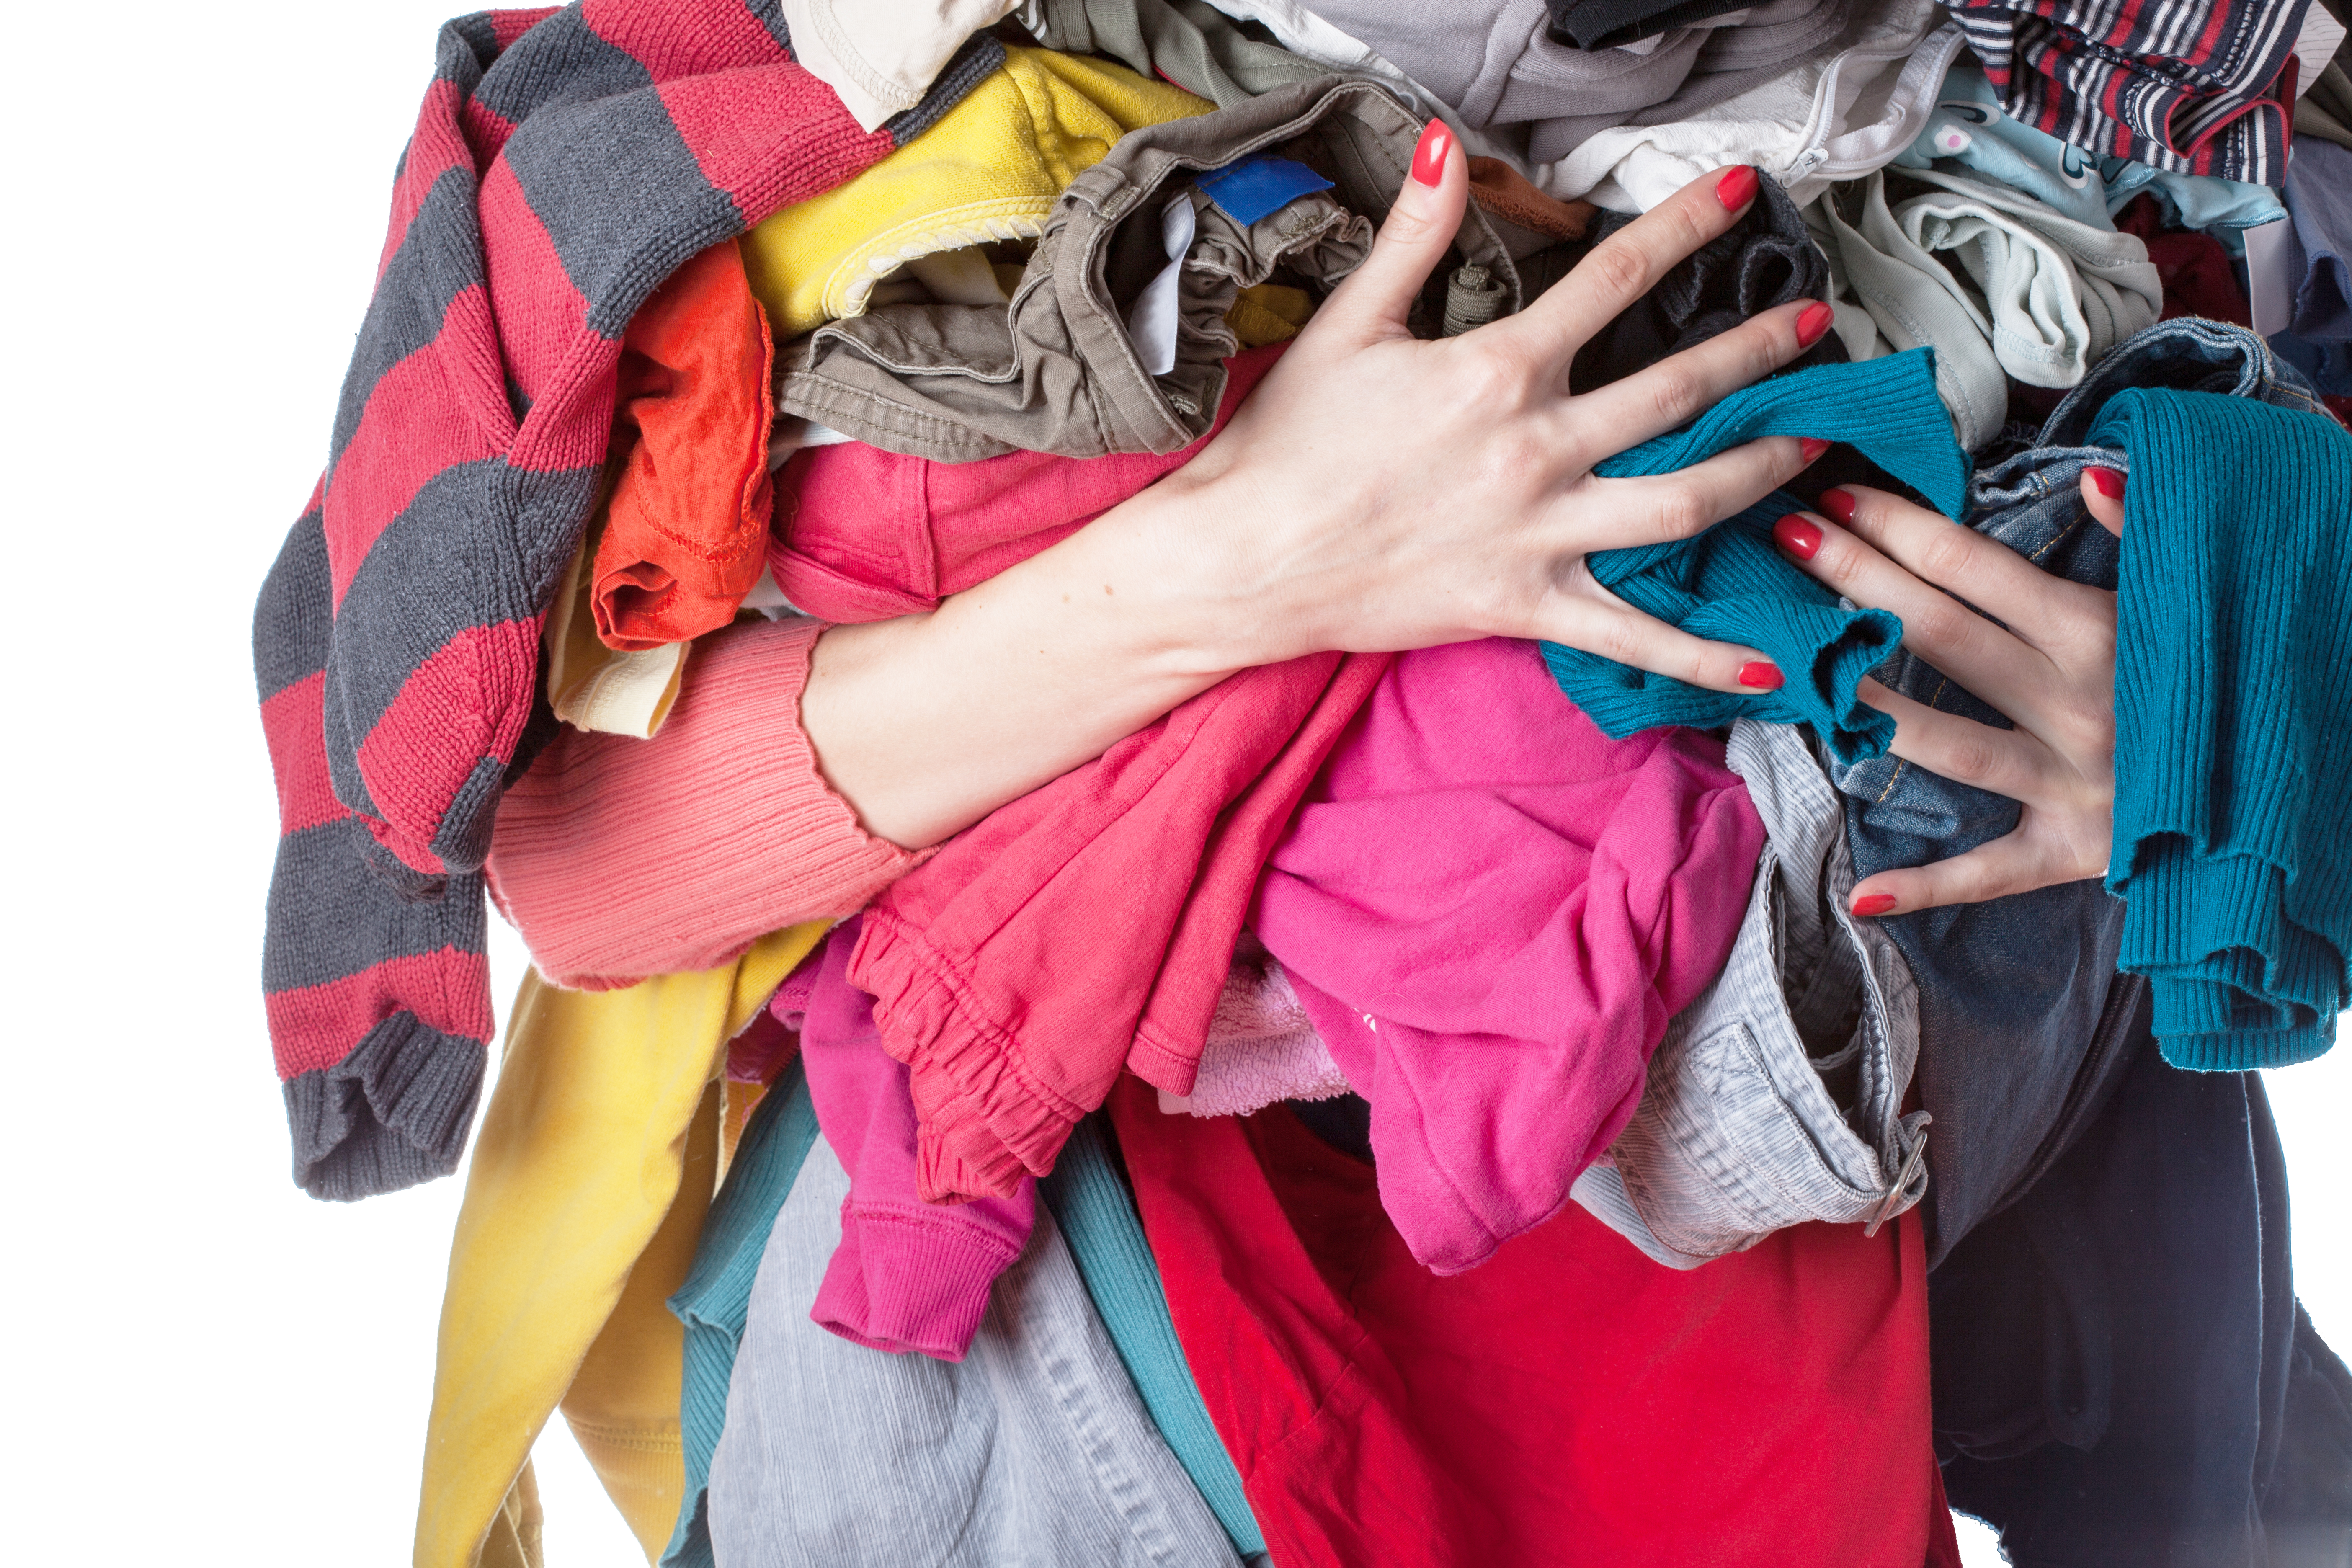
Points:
[(1183, 593), (928, 722)]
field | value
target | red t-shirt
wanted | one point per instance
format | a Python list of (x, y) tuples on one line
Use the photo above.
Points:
[(1567, 1402)]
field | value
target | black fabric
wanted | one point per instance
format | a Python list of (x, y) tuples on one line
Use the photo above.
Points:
[(1606, 24), (2112, 1355), (2307, 1513), (1345, 1122), (1766, 259)]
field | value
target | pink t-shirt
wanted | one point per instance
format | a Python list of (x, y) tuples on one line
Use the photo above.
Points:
[(1489, 909)]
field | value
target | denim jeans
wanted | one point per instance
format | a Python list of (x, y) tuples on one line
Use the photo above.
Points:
[(2018, 1005), (1775, 1097)]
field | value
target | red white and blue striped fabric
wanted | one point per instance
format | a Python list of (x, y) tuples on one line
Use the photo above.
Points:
[(563, 163), (2197, 87)]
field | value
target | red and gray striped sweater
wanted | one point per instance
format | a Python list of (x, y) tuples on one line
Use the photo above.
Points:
[(563, 163)]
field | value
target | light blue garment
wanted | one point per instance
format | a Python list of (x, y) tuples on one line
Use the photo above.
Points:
[(1967, 128), (2219, 207), (1775, 1097), (1105, 1239), (1032, 1452)]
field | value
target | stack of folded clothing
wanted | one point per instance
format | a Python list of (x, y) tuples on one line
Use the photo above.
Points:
[(1206, 1157)]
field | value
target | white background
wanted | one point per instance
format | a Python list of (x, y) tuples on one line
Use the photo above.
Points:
[(205, 1362)]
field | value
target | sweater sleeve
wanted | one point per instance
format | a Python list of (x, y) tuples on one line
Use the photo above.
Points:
[(618, 858)]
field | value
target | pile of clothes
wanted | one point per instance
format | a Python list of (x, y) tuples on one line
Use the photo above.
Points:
[(1434, 1107)]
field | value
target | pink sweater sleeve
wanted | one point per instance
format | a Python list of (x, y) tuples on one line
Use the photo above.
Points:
[(619, 859), (908, 1274)]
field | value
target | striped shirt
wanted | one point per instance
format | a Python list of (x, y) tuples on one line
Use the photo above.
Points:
[(2195, 86)]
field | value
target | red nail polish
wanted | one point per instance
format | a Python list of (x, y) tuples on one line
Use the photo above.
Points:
[(1811, 450), (1838, 504), (1875, 904), (1737, 188), (1760, 675), (1812, 322), (1798, 537), (2109, 483), (1429, 157)]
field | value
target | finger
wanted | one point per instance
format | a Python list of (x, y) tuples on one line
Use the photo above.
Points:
[(2103, 496), (1587, 617), (1629, 263), (1690, 501), (1678, 389), (2013, 864), (1931, 546), (1373, 300), (1989, 662), (2009, 762)]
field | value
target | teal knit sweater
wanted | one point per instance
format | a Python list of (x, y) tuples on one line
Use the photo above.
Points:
[(1730, 585), (2233, 722)]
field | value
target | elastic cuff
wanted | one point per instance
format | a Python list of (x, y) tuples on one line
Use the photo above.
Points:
[(903, 1282)]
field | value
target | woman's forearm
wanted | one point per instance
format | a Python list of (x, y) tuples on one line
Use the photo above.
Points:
[(927, 723)]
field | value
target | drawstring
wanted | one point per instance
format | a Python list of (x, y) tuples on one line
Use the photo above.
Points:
[(1471, 300)]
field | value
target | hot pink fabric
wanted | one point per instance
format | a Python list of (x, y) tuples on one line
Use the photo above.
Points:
[(868, 534), (908, 1274), (1489, 909), (1089, 925)]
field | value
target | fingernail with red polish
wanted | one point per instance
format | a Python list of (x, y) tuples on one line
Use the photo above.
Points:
[(1760, 675), (2109, 483), (1838, 504), (1811, 450), (1737, 188), (1429, 158), (1798, 537), (1812, 322), (1875, 904)]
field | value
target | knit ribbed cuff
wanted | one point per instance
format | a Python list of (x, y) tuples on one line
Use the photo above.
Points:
[(619, 859), (2238, 985), (904, 1281)]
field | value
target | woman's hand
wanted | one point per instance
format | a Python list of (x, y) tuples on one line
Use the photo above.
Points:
[(1380, 492), (2052, 673), (1376, 492)]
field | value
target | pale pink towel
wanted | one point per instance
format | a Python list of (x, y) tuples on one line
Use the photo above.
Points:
[(1261, 1046)]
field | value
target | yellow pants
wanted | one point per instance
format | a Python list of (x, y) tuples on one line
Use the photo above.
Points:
[(596, 1161)]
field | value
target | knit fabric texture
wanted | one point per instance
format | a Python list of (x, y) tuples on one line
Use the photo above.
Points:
[(2233, 723), (619, 859), (1730, 585), (716, 1299), (563, 163)]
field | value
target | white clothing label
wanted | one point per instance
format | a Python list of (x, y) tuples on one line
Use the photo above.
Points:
[(1151, 319), (2273, 270)]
